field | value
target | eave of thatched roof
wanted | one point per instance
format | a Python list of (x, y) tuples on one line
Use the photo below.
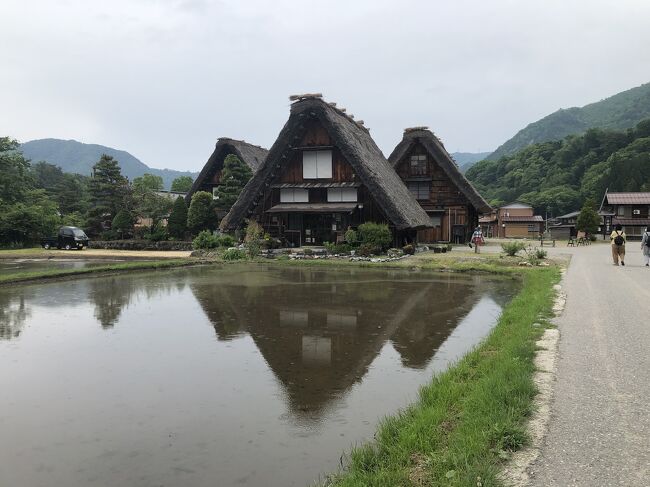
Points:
[(358, 148), (435, 148), (251, 155)]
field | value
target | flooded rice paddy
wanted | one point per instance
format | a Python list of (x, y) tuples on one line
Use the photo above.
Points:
[(11, 266), (241, 375)]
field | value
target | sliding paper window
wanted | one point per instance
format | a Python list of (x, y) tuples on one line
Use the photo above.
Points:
[(294, 195), (342, 194), (317, 164)]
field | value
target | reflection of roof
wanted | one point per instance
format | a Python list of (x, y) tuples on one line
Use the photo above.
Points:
[(522, 219), (628, 198), (312, 207), (631, 221)]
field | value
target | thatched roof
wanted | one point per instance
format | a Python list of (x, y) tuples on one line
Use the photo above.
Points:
[(435, 148), (354, 141), (251, 155)]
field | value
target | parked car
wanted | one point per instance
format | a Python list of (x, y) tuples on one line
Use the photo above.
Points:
[(68, 238)]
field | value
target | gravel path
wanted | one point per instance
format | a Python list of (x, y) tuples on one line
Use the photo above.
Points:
[(599, 432)]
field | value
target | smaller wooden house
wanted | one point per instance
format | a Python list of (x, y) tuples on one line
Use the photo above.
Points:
[(210, 176), (565, 226), (514, 220), (451, 202), (323, 175), (631, 210)]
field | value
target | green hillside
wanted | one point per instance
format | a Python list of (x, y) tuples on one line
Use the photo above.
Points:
[(617, 112), (561, 175), (75, 157)]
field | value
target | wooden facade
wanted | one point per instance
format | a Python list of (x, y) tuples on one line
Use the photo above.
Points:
[(433, 178), (630, 210)]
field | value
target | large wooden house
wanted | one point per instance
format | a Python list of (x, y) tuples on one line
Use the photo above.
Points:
[(210, 176), (323, 175), (435, 181)]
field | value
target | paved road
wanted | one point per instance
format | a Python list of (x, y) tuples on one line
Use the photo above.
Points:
[(599, 432)]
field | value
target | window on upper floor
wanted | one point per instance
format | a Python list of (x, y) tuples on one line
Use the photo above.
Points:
[(341, 194), (294, 195), (317, 164), (621, 211), (420, 189), (418, 165)]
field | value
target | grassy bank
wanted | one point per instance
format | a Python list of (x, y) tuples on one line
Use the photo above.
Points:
[(48, 274), (469, 419)]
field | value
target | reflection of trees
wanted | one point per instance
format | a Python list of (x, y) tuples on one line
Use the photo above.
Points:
[(319, 330), (13, 314)]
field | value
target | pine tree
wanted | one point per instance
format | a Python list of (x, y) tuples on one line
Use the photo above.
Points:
[(201, 215), (588, 219), (177, 223), (108, 191), (122, 223), (234, 177)]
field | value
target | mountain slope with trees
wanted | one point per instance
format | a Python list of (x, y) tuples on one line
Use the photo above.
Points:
[(559, 176), (621, 111), (76, 157)]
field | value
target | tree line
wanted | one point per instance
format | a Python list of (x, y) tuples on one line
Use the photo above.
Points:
[(559, 176), (35, 199)]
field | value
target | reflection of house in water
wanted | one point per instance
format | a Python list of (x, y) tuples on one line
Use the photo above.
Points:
[(13, 314), (319, 331)]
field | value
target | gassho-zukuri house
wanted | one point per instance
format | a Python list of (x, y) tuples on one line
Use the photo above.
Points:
[(325, 174), (210, 176)]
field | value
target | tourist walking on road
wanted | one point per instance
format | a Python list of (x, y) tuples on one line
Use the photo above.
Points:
[(645, 246), (618, 244), (477, 240)]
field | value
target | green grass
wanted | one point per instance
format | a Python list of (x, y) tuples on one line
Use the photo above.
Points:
[(108, 268), (469, 418)]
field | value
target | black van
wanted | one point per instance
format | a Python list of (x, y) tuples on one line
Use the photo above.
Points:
[(68, 238)]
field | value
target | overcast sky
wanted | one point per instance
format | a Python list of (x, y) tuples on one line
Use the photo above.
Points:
[(163, 79)]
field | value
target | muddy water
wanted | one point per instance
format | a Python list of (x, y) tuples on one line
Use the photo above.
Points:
[(248, 376)]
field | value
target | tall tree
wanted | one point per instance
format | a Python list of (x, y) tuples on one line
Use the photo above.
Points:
[(234, 177), (182, 184), (177, 223), (201, 214), (147, 202), (108, 192), (588, 219), (15, 179)]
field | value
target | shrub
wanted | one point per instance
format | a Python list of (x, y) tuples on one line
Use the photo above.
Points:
[(376, 235), (342, 248), (541, 253), (122, 223), (351, 237), (409, 249), (512, 248), (254, 234), (366, 250), (308, 252), (205, 240), (234, 254), (109, 235), (225, 240), (158, 233)]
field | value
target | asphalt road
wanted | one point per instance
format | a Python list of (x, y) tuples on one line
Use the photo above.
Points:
[(599, 431)]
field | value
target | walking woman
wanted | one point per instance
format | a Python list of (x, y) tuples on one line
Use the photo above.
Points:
[(618, 244), (645, 246)]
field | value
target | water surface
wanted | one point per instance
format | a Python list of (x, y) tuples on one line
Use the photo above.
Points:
[(255, 376), (10, 266)]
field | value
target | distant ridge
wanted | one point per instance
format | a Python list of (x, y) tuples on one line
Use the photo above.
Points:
[(465, 160), (76, 157), (621, 111)]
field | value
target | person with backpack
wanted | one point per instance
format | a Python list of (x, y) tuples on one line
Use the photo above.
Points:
[(618, 244), (645, 246)]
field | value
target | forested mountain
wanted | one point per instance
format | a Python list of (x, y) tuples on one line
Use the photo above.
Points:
[(465, 160), (618, 112), (560, 175), (75, 157)]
